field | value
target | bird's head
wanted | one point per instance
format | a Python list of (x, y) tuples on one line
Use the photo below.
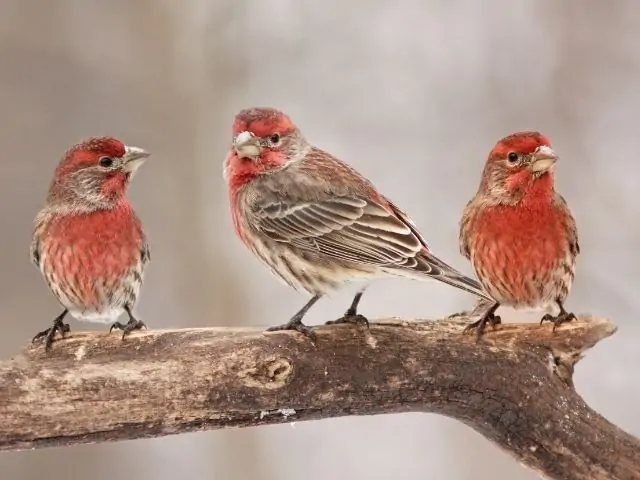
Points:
[(94, 174), (264, 139), (517, 164)]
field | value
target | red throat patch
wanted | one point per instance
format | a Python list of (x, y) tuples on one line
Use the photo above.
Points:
[(115, 184), (241, 171)]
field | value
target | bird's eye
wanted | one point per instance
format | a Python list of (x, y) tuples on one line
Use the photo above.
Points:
[(512, 157), (274, 139), (106, 162)]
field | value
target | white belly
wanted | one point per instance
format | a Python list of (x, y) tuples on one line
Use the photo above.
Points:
[(106, 316), (303, 272)]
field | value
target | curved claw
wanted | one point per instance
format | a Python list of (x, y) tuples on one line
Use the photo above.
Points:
[(471, 326), (49, 333), (297, 326), (129, 327), (547, 317), (562, 317), (41, 334), (352, 319), (479, 325), (116, 326)]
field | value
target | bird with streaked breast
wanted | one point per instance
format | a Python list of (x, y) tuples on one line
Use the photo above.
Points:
[(519, 233), (315, 221), (88, 242)]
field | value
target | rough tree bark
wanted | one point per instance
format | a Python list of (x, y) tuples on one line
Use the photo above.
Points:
[(514, 387)]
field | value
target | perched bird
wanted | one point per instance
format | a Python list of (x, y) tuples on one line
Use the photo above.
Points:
[(518, 231), (88, 243), (315, 221)]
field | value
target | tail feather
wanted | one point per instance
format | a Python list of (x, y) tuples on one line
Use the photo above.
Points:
[(432, 266)]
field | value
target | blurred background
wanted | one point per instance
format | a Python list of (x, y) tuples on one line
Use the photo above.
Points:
[(414, 94)]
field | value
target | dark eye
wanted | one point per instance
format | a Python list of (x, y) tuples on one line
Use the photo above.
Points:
[(512, 157), (106, 162), (274, 139)]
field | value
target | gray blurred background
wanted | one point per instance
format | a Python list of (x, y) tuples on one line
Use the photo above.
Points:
[(413, 94)]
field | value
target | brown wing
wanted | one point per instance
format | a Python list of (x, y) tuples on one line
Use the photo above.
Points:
[(357, 230), (570, 223), (434, 267), (34, 251), (34, 248), (463, 236), (323, 205), (344, 228)]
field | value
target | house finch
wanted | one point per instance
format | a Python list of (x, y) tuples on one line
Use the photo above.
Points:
[(88, 242), (518, 231), (315, 221)]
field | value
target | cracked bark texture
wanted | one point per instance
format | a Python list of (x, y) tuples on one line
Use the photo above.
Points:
[(514, 387)]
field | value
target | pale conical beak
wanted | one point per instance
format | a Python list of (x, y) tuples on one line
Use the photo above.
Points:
[(543, 159), (246, 145), (133, 158)]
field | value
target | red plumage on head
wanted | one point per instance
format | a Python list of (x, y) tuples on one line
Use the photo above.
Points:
[(89, 152), (262, 122), (518, 176), (521, 142)]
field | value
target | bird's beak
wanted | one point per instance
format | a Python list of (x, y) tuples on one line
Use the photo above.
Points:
[(246, 145), (133, 158), (543, 159)]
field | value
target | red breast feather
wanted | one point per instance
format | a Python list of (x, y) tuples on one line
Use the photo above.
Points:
[(92, 261), (520, 252)]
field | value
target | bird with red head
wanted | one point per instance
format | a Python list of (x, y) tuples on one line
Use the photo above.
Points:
[(88, 242), (519, 233), (315, 221)]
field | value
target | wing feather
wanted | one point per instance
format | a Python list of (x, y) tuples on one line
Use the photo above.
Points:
[(34, 251), (349, 223), (346, 228), (570, 224)]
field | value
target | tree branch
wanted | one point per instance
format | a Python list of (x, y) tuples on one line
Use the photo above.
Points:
[(514, 387)]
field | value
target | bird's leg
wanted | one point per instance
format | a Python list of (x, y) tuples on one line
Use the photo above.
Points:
[(130, 326), (481, 305), (352, 315), (488, 317), (295, 323), (562, 317), (49, 333)]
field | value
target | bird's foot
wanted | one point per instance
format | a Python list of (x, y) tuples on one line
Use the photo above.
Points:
[(479, 308), (480, 325), (295, 325), (352, 318), (129, 327), (562, 317), (49, 333)]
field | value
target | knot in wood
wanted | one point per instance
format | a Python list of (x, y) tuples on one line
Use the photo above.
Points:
[(279, 369), (271, 373)]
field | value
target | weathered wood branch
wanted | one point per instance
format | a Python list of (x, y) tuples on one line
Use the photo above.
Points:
[(514, 387)]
